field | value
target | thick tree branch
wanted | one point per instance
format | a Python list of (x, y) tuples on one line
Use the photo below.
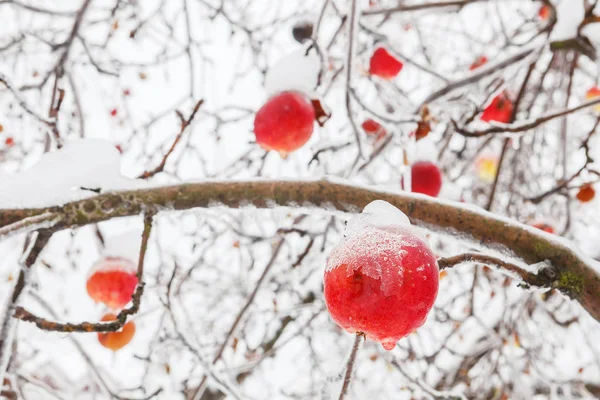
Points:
[(575, 275)]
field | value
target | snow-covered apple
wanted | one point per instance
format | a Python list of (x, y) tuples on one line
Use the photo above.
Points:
[(285, 122), (112, 282), (500, 109), (384, 65), (381, 280), (116, 340), (426, 178)]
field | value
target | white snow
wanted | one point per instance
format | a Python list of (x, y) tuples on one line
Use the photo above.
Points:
[(59, 176), (113, 264), (569, 15), (298, 70), (378, 213), (126, 245)]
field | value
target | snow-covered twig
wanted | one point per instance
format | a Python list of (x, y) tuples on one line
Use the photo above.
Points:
[(522, 126), (29, 224)]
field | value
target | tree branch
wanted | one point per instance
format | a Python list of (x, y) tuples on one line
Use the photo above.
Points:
[(576, 275)]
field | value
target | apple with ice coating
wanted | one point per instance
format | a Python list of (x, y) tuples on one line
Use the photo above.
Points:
[(116, 340), (112, 282), (383, 278), (285, 122)]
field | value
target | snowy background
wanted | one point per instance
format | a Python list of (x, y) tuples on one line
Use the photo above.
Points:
[(130, 64)]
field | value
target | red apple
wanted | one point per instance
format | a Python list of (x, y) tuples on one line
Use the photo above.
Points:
[(116, 340), (544, 12), (586, 193), (481, 60), (284, 123), (9, 141), (543, 226), (374, 129), (593, 93), (426, 178), (384, 65), (500, 109), (112, 282), (381, 281)]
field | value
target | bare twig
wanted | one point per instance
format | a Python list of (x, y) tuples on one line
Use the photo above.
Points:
[(358, 339), (185, 123)]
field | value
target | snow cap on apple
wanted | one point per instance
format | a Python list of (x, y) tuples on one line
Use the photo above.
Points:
[(382, 279)]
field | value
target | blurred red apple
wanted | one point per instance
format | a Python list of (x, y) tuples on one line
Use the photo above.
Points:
[(426, 178), (384, 65), (116, 340), (500, 109), (112, 282), (285, 122)]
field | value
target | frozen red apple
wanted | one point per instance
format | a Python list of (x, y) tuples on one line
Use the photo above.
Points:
[(500, 109), (481, 60), (112, 282), (116, 340), (384, 65), (426, 178), (381, 281), (586, 193), (285, 122)]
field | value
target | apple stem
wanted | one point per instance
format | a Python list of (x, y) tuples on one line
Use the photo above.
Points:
[(350, 364)]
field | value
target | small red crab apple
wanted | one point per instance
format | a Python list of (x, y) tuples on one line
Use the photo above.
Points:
[(426, 178), (479, 61), (381, 280), (543, 226), (500, 109), (384, 65), (374, 129), (112, 282), (285, 122), (116, 340), (592, 94)]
